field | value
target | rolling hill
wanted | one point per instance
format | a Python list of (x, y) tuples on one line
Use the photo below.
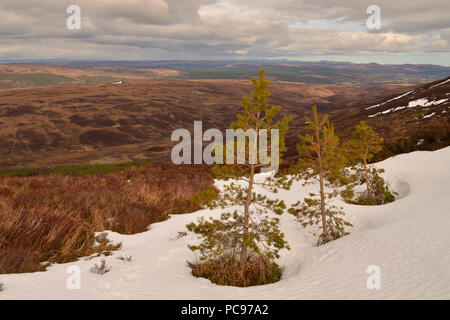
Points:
[(49, 73), (133, 121), (417, 119)]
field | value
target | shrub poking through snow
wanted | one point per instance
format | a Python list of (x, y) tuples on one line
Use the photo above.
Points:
[(360, 150), (1, 287), (240, 248), (379, 191), (227, 270), (125, 258), (320, 160), (101, 269), (181, 234)]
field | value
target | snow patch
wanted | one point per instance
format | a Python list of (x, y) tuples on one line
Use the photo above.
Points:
[(440, 83), (396, 98), (429, 115), (408, 239), (422, 102)]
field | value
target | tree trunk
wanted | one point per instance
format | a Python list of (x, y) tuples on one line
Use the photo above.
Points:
[(248, 200), (322, 206), (322, 188), (366, 174), (247, 214)]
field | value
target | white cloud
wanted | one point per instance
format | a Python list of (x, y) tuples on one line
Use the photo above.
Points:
[(220, 28)]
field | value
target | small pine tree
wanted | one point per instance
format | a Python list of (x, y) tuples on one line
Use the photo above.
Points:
[(240, 248), (320, 160), (365, 143)]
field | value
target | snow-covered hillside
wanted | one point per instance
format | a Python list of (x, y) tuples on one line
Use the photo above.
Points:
[(408, 239), (432, 98)]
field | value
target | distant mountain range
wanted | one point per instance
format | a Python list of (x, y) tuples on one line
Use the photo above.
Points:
[(323, 72)]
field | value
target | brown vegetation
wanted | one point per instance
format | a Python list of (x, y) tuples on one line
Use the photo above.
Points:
[(78, 74), (55, 218), (228, 271), (102, 268), (83, 124)]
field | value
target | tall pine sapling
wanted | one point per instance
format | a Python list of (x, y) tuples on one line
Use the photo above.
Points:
[(240, 248), (320, 161), (365, 143)]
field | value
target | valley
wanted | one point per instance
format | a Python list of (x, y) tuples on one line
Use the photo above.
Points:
[(133, 121)]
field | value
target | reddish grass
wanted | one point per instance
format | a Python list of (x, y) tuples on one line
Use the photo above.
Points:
[(227, 271), (54, 218)]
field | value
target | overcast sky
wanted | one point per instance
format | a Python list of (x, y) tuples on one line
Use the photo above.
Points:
[(412, 31)]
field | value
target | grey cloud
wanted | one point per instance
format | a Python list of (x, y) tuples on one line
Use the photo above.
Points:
[(213, 28)]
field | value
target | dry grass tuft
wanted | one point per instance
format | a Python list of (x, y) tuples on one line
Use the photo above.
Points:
[(126, 258), (101, 269), (227, 271)]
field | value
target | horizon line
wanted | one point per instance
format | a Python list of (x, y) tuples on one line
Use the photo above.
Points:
[(36, 61)]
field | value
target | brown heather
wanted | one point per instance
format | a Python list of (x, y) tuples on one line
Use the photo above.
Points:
[(227, 271), (55, 218)]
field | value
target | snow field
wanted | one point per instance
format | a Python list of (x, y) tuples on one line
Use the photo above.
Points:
[(409, 240)]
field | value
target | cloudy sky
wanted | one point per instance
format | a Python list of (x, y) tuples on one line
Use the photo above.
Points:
[(412, 31)]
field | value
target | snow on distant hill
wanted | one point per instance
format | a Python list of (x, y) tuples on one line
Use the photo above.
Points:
[(409, 240), (432, 96)]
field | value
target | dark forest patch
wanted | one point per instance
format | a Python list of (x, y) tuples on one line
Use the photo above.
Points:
[(19, 111), (105, 137)]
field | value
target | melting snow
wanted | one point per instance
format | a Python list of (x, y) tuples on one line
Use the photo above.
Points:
[(374, 106), (408, 239), (380, 104), (422, 102), (440, 83), (429, 115)]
